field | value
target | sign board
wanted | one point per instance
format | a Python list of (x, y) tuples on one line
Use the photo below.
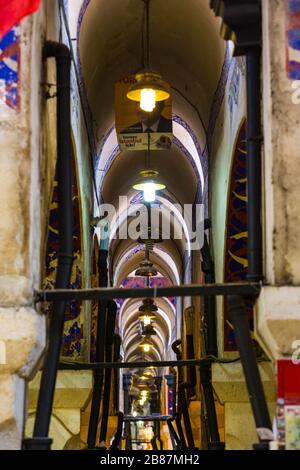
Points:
[(133, 125)]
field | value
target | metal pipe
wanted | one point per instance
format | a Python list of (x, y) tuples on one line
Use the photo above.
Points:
[(68, 365), (110, 327), (154, 418), (182, 398), (118, 436), (239, 320), (100, 351), (244, 289), (191, 372), (185, 413), (208, 269), (176, 443), (126, 386), (158, 383), (182, 408), (254, 171), (62, 56), (116, 358), (210, 407)]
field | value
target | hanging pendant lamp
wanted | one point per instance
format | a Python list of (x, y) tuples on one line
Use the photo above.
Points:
[(147, 311), (149, 183), (146, 345), (148, 330), (146, 269), (149, 88)]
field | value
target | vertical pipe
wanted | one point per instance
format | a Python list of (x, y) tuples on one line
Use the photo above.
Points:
[(158, 383), (185, 413), (126, 386), (208, 269), (65, 215), (254, 178), (111, 319), (116, 358), (118, 436), (210, 407), (239, 319), (176, 444)]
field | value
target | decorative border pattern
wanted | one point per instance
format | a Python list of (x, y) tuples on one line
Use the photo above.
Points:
[(218, 97)]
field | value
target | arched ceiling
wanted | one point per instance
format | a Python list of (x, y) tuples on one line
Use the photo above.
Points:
[(185, 47), (131, 163)]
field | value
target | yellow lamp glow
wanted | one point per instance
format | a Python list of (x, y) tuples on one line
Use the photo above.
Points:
[(149, 192), (146, 345), (146, 320), (148, 183), (148, 89), (147, 100)]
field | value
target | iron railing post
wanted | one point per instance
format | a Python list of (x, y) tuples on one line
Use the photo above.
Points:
[(239, 320)]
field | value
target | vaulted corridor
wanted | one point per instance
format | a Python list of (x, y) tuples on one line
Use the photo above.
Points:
[(149, 250)]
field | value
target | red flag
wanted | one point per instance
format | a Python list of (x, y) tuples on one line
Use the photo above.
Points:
[(12, 11)]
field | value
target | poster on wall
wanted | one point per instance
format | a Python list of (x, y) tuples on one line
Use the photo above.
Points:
[(292, 427), (133, 125)]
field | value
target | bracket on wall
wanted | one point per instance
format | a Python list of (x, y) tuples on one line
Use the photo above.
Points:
[(241, 22)]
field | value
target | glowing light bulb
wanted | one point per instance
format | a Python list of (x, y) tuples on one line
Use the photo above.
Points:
[(149, 192), (147, 102), (146, 320), (146, 348), (144, 393)]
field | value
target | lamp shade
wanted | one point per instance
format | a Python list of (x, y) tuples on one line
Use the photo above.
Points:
[(148, 330), (149, 88), (146, 177), (148, 306), (146, 269)]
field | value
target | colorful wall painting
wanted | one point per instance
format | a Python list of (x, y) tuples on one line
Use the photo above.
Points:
[(293, 39), (236, 242), (10, 52), (94, 311), (73, 328)]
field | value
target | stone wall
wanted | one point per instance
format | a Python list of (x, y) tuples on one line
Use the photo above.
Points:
[(278, 313), (22, 328)]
